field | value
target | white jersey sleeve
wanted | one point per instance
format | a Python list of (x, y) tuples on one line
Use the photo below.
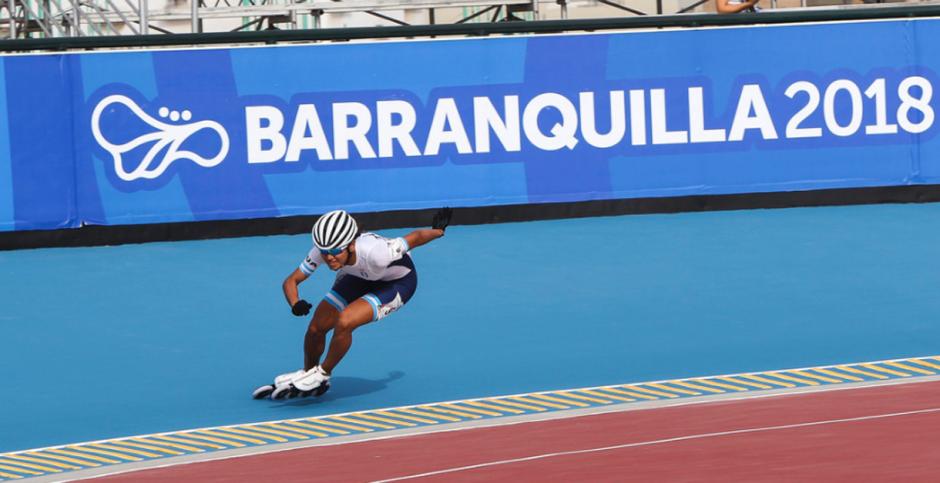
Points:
[(311, 262)]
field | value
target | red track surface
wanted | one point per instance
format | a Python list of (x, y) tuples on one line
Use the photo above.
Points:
[(886, 447)]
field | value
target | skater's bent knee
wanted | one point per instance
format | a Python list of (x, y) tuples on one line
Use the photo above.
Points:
[(323, 323), (346, 323), (314, 331), (343, 325)]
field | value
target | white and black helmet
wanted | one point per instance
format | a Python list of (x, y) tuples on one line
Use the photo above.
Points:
[(335, 229)]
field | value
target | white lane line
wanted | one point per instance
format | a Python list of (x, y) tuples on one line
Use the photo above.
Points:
[(658, 441)]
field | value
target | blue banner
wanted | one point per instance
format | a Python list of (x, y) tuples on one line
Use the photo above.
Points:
[(206, 134)]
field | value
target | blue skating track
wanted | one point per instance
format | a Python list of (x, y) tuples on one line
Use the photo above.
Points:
[(114, 341)]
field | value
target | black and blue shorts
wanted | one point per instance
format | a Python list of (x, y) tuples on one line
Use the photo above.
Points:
[(385, 297)]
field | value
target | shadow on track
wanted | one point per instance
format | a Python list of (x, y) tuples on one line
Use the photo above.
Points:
[(345, 387)]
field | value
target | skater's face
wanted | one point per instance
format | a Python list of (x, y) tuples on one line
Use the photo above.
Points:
[(335, 261)]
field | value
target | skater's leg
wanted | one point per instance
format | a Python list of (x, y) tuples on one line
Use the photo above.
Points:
[(383, 299), (352, 317), (324, 319)]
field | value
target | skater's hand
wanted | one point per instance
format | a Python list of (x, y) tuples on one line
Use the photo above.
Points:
[(302, 307), (441, 219)]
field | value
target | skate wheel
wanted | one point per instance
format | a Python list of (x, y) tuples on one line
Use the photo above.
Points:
[(306, 393), (294, 392), (281, 392), (263, 391), (322, 389)]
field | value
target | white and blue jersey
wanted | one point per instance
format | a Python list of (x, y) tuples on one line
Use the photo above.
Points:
[(383, 275), (375, 258)]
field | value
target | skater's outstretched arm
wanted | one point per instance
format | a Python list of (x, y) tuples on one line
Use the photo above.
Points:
[(420, 237), (440, 222)]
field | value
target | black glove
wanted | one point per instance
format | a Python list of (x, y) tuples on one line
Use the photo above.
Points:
[(441, 219), (302, 307)]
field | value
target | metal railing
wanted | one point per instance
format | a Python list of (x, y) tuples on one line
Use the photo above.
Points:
[(72, 18), (76, 18), (98, 24)]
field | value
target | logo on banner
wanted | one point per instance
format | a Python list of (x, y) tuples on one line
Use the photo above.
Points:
[(166, 140)]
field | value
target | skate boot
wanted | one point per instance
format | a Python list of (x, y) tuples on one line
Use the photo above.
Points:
[(283, 379), (315, 381)]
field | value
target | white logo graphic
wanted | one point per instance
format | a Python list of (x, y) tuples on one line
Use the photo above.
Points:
[(165, 134), (390, 307)]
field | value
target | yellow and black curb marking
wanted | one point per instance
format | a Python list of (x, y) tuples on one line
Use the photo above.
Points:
[(82, 456)]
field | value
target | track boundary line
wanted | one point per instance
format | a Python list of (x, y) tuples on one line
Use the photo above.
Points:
[(220, 442)]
